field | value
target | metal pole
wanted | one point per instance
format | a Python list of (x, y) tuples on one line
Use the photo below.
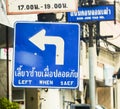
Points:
[(91, 63), (7, 61), (91, 67)]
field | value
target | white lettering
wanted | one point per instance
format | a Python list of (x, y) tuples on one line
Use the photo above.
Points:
[(47, 73), (66, 83), (79, 18), (95, 12), (101, 17), (24, 81), (87, 18), (46, 82), (95, 17)]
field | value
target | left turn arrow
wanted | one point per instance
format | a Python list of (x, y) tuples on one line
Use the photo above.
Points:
[(39, 40)]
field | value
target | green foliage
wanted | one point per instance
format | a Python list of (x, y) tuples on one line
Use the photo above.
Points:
[(6, 104)]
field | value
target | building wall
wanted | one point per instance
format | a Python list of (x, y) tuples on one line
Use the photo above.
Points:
[(32, 98), (104, 97), (106, 57), (49, 98), (5, 83), (105, 94), (3, 79), (56, 98), (117, 91)]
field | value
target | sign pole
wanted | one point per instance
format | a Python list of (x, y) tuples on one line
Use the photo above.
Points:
[(91, 64), (91, 68)]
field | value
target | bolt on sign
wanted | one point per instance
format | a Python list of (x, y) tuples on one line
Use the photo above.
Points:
[(40, 6)]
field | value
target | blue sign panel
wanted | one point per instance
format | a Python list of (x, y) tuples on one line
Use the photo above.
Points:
[(46, 55), (93, 13)]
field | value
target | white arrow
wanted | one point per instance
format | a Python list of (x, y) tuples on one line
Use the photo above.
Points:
[(39, 39)]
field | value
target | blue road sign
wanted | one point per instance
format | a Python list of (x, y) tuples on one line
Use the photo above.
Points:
[(46, 55), (93, 13)]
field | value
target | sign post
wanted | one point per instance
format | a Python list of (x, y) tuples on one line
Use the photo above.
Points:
[(46, 55)]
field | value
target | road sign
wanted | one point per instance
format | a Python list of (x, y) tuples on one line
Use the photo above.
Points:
[(93, 13), (46, 55), (40, 6)]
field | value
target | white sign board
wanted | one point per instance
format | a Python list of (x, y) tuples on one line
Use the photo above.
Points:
[(40, 6)]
